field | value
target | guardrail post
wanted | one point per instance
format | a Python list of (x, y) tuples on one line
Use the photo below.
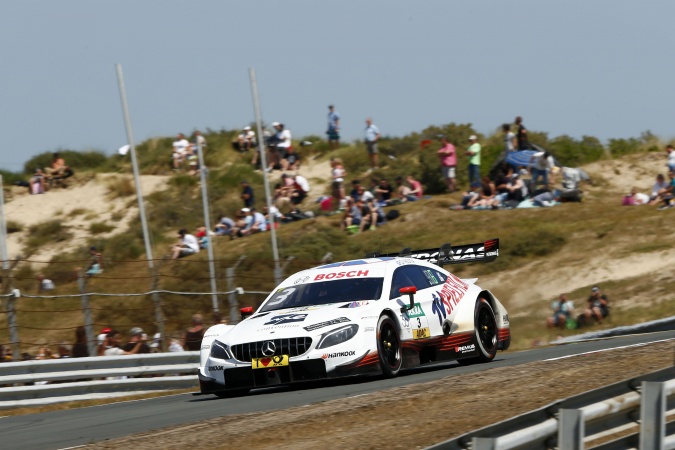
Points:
[(479, 443), (232, 297), (86, 311), (652, 415), (571, 429)]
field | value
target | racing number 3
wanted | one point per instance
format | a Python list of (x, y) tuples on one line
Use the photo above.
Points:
[(283, 295)]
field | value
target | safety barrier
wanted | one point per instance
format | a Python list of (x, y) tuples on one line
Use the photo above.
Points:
[(585, 420), (32, 383)]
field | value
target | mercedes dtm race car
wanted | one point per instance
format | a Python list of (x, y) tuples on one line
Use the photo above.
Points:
[(375, 315)]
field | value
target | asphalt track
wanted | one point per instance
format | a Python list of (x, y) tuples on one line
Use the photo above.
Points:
[(63, 429)]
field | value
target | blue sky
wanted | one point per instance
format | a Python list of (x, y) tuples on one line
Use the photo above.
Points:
[(601, 68)]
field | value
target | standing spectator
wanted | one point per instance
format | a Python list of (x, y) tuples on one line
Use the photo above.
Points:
[(510, 141), (372, 135), (247, 194), (80, 349), (598, 306), (521, 135), (283, 142), (541, 164), (180, 151), (96, 262), (448, 158), (415, 187), (338, 174), (200, 141), (333, 128), (473, 152), (192, 339), (671, 158), (186, 246), (114, 342), (563, 310), (137, 336)]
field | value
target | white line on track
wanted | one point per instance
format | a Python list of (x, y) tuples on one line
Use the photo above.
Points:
[(609, 349)]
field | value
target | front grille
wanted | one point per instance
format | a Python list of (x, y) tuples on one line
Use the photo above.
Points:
[(289, 346)]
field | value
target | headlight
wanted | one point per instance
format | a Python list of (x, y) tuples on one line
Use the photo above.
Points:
[(338, 336), (220, 351)]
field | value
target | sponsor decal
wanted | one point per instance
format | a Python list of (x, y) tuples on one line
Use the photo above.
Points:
[(336, 275), (302, 280), (468, 254), (369, 329), (465, 348), (206, 347), (404, 261), (277, 327), (421, 333), (505, 319), (269, 362), (357, 304), (286, 318), (451, 293), (495, 253), (431, 277), (338, 354), (416, 311), (215, 368), (327, 323)]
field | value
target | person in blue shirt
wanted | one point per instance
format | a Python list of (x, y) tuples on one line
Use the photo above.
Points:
[(333, 128)]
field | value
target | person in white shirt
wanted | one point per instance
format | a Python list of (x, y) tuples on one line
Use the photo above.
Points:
[(257, 224), (542, 163), (510, 141), (283, 143), (246, 139), (180, 150), (186, 246), (300, 189)]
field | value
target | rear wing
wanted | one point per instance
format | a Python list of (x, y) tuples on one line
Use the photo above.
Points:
[(447, 254)]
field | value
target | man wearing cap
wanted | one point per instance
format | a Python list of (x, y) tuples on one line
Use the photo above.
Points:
[(283, 143), (473, 152), (372, 135), (255, 222), (448, 159), (186, 246), (333, 128), (247, 194), (246, 139), (137, 336), (598, 306), (114, 340)]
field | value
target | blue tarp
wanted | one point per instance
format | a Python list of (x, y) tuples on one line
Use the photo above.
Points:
[(520, 158)]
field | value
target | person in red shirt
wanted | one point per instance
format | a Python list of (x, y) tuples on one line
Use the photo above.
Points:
[(448, 158), (415, 187)]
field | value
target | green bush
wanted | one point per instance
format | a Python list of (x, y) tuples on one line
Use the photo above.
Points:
[(45, 233), (100, 227)]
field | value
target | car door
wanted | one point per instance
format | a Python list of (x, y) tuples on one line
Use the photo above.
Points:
[(414, 321)]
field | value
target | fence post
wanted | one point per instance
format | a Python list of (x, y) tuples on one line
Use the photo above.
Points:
[(571, 429), (652, 415), (232, 297), (11, 324), (157, 301), (86, 311)]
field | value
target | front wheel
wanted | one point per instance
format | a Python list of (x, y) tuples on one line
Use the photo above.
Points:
[(485, 329), (388, 346)]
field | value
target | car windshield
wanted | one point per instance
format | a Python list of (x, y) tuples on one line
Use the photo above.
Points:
[(324, 293)]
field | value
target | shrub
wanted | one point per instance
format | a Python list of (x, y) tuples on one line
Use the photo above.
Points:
[(100, 227), (120, 187), (44, 233)]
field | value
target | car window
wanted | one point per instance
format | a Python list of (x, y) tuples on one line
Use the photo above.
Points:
[(434, 276), (409, 275)]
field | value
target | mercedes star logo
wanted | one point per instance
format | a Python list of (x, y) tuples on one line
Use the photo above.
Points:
[(268, 348)]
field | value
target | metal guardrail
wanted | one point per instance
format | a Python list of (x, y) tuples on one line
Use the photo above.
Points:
[(579, 421), (31, 383)]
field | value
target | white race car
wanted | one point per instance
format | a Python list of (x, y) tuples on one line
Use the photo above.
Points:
[(375, 315)]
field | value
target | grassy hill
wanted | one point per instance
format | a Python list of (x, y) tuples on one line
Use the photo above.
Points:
[(570, 248)]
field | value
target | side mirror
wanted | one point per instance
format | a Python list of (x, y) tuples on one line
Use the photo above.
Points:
[(411, 291), (246, 311)]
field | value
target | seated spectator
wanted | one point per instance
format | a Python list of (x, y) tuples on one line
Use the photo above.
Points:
[(36, 184), (546, 199), (57, 168), (667, 195), (96, 263), (186, 246), (290, 160), (368, 215), (246, 140), (487, 194), (193, 160), (670, 151), (470, 197), (403, 192), (563, 310), (598, 306), (242, 218), (113, 343), (352, 215), (635, 198), (383, 192), (80, 348), (415, 187), (202, 237), (502, 188), (224, 226), (257, 223), (365, 195), (300, 189), (660, 188), (272, 215), (354, 193), (137, 336)]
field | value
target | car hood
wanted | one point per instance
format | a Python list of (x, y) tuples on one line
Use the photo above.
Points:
[(297, 322)]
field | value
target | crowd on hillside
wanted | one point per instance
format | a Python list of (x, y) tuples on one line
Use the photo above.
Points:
[(663, 191)]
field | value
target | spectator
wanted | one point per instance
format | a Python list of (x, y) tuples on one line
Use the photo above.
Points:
[(57, 168), (563, 310), (186, 246), (282, 142), (365, 195), (224, 226), (202, 237), (114, 342), (546, 198), (137, 336), (180, 151), (96, 262), (44, 284), (415, 186), (372, 135), (598, 306), (541, 163), (200, 141), (193, 160), (521, 135), (635, 198), (246, 141), (354, 193), (473, 152), (333, 128), (448, 158), (338, 174), (368, 215), (45, 353), (667, 195), (660, 188), (256, 224), (352, 215), (510, 141), (192, 339), (383, 192), (290, 160), (517, 189), (273, 215), (670, 151), (63, 350), (36, 184), (300, 189), (403, 192), (502, 187), (247, 194), (487, 193), (102, 341), (80, 348), (470, 197)]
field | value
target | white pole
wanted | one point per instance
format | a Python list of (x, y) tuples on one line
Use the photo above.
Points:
[(134, 163), (3, 227), (263, 161), (207, 224)]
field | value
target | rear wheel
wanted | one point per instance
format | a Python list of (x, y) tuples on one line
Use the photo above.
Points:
[(485, 329), (388, 346)]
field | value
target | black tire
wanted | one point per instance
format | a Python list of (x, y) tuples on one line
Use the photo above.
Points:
[(388, 346), (232, 393), (485, 329)]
